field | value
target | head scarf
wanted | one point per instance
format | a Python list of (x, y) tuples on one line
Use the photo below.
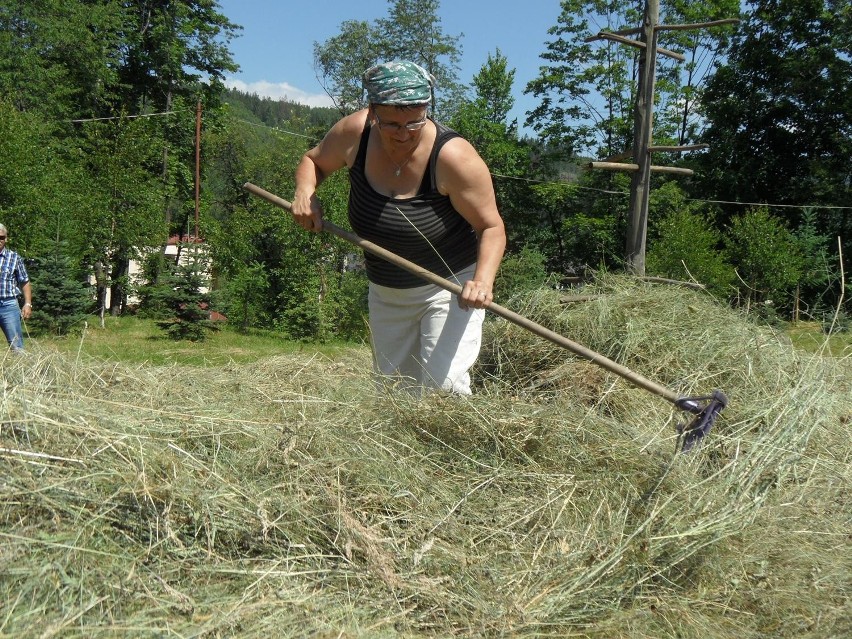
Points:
[(398, 83)]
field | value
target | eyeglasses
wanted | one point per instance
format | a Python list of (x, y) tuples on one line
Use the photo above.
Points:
[(2, 237), (396, 128)]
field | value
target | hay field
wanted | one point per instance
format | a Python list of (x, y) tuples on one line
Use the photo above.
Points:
[(286, 498)]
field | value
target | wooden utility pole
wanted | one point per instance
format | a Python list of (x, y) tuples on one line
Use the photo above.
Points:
[(643, 127)]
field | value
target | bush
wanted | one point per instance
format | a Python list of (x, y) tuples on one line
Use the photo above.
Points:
[(684, 245), (767, 257), (521, 271)]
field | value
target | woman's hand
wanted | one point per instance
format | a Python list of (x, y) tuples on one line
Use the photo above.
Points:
[(307, 212), (475, 294)]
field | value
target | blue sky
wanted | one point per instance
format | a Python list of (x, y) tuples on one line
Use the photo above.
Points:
[(275, 48)]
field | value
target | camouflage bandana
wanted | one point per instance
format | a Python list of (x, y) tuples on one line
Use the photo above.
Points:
[(398, 83)]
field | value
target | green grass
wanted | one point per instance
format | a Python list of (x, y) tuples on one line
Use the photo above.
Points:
[(810, 337), (138, 341)]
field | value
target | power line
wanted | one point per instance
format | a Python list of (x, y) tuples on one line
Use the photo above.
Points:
[(124, 117), (764, 204), (774, 206), (276, 129)]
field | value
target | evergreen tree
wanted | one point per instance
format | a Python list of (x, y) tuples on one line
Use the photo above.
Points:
[(64, 297), (181, 293)]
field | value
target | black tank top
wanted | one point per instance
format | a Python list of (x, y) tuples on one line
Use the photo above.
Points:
[(400, 224)]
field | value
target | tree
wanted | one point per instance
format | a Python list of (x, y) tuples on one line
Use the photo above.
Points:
[(483, 121), (780, 114), (684, 242), (42, 182), (820, 278), (679, 84), (74, 76), (412, 31), (64, 296), (170, 46), (342, 59), (181, 293), (60, 57), (245, 295), (588, 89), (493, 89), (125, 212)]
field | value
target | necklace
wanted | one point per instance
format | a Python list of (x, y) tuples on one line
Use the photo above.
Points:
[(400, 167)]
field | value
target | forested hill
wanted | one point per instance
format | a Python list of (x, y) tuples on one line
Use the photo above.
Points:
[(298, 118)]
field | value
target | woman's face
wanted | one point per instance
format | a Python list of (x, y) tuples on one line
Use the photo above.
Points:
[(400, 124)]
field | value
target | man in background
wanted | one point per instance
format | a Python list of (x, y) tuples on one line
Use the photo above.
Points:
[(14, 282)]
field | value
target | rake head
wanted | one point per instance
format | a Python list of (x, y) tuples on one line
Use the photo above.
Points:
[(705, 409)]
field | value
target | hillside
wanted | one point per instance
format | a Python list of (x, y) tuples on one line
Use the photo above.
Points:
[(285, 497), (275, 113)]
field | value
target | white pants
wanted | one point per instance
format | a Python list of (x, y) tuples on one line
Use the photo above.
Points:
[(422, 339)]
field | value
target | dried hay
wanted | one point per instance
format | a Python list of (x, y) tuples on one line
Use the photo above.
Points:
[(289, 499)]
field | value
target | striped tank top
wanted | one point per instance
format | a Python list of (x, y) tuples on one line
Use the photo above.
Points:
[(403, 225)]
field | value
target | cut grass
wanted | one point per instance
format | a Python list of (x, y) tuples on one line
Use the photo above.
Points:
[(281, 496)]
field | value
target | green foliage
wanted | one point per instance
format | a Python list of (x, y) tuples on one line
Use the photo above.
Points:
[(412, 31), (180, 291), (766, 256), (244, 296), (574, 69), (684, 244), (591, 240), (585, 226), (350, 306), (678, 84), (274, 112), (779, 114), (342, 60), (520, 272), (62, 295), (60, 57), (77, 163), (155, 266), (483, 121), (821, 277), (587, 89), (170, 47), (42, 187)]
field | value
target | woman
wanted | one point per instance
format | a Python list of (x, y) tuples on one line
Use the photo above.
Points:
[(421, 191)]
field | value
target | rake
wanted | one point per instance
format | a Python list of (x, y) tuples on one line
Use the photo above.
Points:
[(705, 409)]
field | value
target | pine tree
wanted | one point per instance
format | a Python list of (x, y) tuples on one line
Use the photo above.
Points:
[(63, 296), (181, 292)]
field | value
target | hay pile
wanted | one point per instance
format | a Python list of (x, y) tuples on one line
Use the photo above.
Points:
[(287, 499)]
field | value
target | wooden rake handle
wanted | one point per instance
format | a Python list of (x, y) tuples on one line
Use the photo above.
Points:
[(520, 320)]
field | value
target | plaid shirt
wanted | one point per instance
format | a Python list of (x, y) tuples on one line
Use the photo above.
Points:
[(12, 274)]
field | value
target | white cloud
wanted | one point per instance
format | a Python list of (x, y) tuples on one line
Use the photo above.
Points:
[(280, 91)]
